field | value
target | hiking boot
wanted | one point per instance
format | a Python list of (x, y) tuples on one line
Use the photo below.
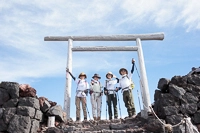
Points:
[(116, 117), (95, 118), (110, 118), (77, 119), (98, 118), (85, 118)]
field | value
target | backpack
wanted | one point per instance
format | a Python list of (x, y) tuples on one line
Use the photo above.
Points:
[(132, 85)]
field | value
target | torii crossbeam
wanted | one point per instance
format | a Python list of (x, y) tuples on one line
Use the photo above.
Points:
[(133, 37)]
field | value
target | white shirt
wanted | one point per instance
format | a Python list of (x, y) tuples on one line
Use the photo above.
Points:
[(110, 85), (125, 82), (82, 85)]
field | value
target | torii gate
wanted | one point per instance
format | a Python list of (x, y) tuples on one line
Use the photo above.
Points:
[(132, 37)]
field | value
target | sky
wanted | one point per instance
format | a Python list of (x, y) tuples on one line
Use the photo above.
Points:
[(27, 59)]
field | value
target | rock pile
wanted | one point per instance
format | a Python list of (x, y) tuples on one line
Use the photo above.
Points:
[(178, 98), (21, 111)]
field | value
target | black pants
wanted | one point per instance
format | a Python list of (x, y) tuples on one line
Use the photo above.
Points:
[(112, 99)]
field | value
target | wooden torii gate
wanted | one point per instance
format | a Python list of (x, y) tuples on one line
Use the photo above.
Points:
[(132, 37)]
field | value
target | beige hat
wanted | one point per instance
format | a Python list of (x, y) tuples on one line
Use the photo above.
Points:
[(82, 74), (121, 70), (110, 74)]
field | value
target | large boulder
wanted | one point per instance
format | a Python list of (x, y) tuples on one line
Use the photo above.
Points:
[(188, 108), (30, 102), (170, 110), (163, 84), (154, 125), (176, 91), (38, 115), (57, 112), (12, 88), (180, 81), (34, 126), (11, 103), (19, 124), (189, 98), (8, 114), (3, 126), (44, 104), (174, 119), (26, 90), (26, 111), (196, 117), (4, 96), (194, 79)]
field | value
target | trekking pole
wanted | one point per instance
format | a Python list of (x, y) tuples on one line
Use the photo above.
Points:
[(87, 111), (119, 105), (139, 100), (106, 105)]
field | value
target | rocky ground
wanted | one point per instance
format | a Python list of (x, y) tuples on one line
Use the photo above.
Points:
[(176, 99)]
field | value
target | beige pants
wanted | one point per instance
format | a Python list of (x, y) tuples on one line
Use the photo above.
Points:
[(78, 108), (96, 105)]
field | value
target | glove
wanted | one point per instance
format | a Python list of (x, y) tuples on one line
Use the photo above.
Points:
[(105, 91), (116, 89), (91, 91), (86, 92)]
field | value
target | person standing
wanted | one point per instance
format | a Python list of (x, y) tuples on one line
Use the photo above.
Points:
[(81, 92), (110, 92), (125, 85), (96, 96)]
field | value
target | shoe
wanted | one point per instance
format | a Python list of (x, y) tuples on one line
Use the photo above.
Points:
[(116, 117), (85, 118), (95, 118), (110, 118), (77, 119), (98, 118)]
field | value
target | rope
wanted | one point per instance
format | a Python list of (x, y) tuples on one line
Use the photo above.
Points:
[(168, 126)]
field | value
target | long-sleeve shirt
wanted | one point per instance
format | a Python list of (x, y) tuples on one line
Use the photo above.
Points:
[(125, 82), (110, 85), (82, 85)]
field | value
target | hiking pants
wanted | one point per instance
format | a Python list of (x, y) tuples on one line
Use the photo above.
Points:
[(78, 108), (112, 99), (128, 100), (96, 104)]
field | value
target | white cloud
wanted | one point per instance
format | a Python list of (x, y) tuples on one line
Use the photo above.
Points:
[(24, 24), (164, 13)]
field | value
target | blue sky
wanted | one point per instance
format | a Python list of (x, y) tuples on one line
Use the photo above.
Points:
[(26, 58)]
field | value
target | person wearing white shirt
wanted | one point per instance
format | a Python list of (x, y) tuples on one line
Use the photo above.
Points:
[(96, 96), (81, 92), (110, 92), (125, 85)]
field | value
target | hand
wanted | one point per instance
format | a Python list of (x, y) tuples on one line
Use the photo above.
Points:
[(67, 69), (133, 60), (116, 89), (105, 92)]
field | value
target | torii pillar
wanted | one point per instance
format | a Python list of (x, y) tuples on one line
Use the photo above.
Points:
[(133, 37)]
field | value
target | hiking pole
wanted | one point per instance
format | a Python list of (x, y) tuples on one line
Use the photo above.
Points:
[(139, 100), (106, 105), (87, 111), (119, 105)]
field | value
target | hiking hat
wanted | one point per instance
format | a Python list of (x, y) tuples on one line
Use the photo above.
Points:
[(82, 74), (123, 69), (110, 74), (96, 75)]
